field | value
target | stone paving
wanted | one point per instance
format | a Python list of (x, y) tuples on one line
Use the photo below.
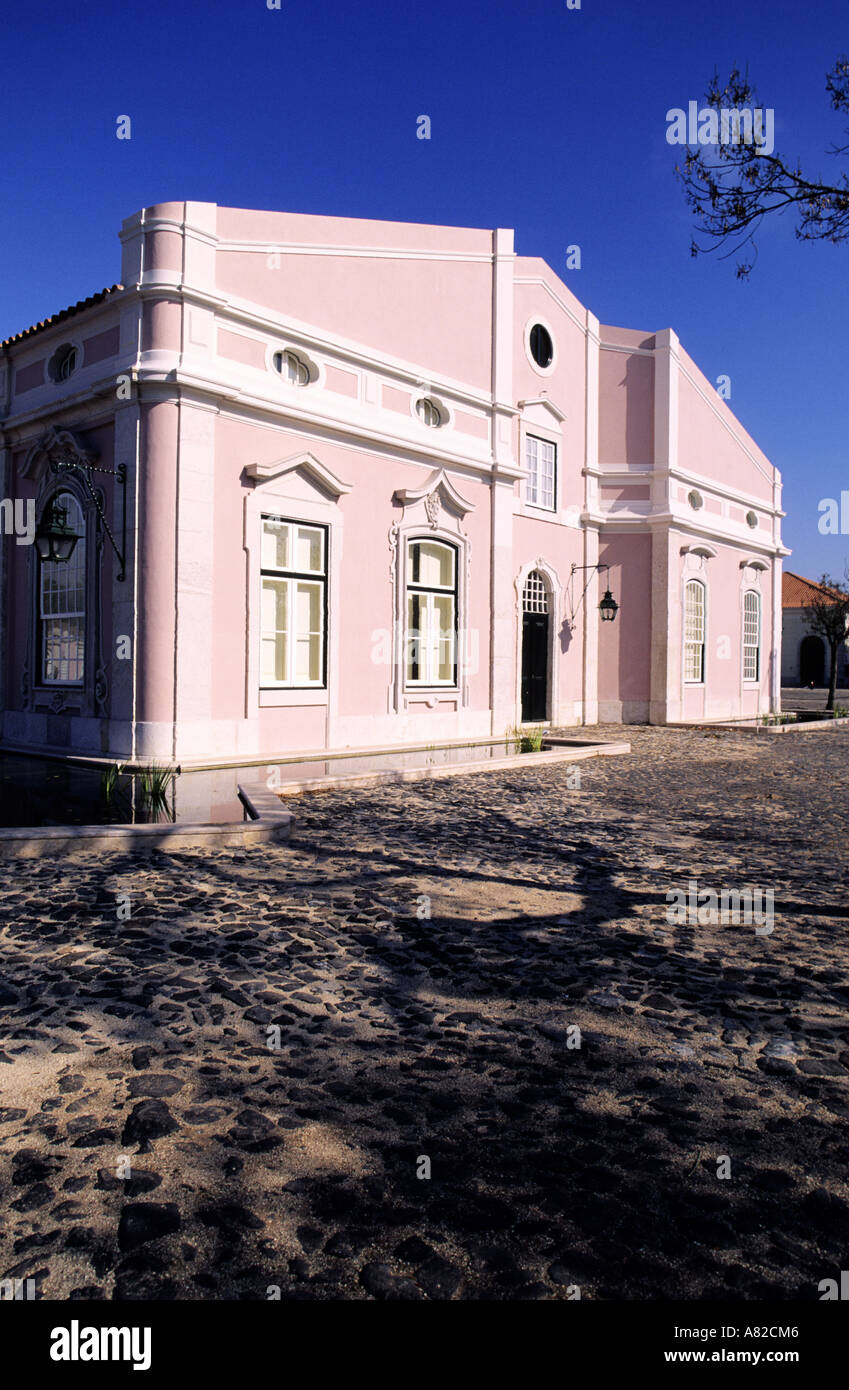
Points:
[(221, 1073)]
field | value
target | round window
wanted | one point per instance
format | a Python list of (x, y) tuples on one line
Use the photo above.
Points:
[(752, 519), (542, 348), (63, 363), (429, 413), (290, 366)]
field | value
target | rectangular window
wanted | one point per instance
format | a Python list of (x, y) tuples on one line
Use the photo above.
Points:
[(431, 637), (294, 601), (61, 608), (694, 632), (751, 635), (541, 462)]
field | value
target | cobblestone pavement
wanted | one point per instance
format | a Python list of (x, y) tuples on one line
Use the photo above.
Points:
[(140, 1045)]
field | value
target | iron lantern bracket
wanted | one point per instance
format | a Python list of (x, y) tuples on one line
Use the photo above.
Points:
[(85, 470), (594, 569)]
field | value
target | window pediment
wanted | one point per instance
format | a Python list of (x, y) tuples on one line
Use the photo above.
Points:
[(307, 465), (539, 410), (437, 492)]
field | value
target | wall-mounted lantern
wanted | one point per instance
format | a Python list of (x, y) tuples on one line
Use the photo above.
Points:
[(608, 608), (54, 538)]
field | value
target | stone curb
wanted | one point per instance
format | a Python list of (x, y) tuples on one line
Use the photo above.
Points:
[(566, 753), (805, 726)]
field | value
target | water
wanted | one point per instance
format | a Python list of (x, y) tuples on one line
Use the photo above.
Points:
[(37, 791)]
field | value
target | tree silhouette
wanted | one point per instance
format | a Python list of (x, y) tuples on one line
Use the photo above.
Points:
[(732, 184)]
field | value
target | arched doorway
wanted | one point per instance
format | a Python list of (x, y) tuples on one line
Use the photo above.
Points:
[(812, 661), (535, 620)]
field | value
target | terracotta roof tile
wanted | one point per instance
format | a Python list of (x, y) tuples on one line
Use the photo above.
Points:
[(796, 591), (62, 314)]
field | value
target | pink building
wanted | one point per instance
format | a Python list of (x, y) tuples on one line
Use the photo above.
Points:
[(341, 483)]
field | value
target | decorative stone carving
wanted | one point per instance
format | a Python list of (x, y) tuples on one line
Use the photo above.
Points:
[(433, 506), (57, 446)]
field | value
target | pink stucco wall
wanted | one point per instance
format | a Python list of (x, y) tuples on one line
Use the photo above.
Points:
[(626, 413), (416, 310), (714, 442), (624, 649)]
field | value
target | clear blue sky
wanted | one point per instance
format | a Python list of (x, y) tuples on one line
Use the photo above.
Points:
[(545, 119)]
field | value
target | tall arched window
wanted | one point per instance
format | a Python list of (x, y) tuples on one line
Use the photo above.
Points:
[(431, 613), (751, 635), (62, 605), (694, 632)]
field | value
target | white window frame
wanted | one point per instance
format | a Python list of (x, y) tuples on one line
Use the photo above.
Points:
[(63, 572), (292, 579), (532, 484), (691, 643), (428, 644), (752, 649)]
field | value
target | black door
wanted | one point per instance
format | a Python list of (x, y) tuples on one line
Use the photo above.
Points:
[(812, 661), (534, 666)]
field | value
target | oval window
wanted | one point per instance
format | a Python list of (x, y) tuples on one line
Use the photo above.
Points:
[(63, 362), (542, 348), (429, 413), (290, 366)]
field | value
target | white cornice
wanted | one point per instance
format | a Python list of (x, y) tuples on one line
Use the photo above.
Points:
[(180, 383), (132, 226), (672, 522), (710, 485), (668, 522), (605, 472)]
